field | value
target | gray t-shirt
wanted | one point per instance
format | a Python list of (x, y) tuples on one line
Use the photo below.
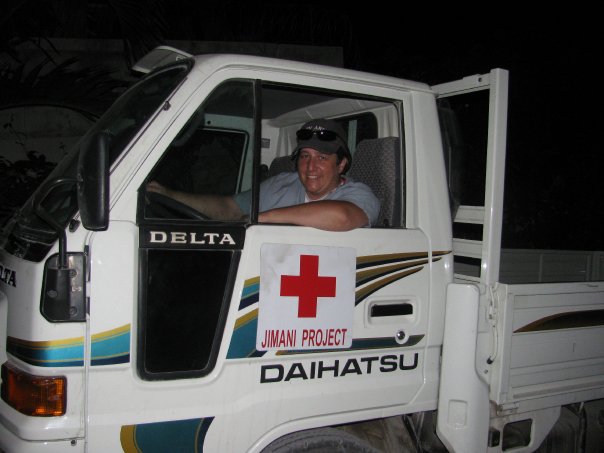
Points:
[(286, 189)]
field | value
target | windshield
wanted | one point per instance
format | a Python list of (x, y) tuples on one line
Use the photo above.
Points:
[(25, 234)]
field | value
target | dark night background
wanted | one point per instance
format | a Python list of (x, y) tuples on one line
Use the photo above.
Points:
[(554, 189)]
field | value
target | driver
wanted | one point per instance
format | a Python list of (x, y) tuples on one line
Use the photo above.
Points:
[(317, 195)]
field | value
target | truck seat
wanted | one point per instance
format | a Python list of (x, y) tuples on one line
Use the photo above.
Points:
[(376, 162), (281, 165)]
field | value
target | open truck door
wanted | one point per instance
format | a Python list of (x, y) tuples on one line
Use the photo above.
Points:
[(473, 114)]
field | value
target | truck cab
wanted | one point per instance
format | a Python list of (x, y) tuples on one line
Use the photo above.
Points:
[(133, 322)]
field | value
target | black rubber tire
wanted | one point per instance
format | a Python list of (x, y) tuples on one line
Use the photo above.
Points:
[(320, 440)]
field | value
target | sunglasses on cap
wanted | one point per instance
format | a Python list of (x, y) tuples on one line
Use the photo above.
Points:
[(323, 134)]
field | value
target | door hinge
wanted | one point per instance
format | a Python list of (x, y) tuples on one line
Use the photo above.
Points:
[(492, 319)]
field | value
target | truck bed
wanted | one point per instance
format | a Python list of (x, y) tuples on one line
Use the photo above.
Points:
[(547, 266), (550, 344)]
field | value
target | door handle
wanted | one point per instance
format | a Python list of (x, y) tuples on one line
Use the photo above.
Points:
[(390, 309)]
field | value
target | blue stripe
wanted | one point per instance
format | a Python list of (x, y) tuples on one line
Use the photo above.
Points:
[(108, 351), (249, 295), (243, 342), (174, 436)]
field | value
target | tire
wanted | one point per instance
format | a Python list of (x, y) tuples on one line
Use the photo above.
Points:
[(320, 440)]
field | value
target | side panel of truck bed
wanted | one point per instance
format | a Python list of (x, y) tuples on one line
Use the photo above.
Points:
[(550, 344)]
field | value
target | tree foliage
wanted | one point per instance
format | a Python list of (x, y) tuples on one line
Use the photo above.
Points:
[(34, 73)]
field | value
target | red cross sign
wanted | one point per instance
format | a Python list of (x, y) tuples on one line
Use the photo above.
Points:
[(306, 297), (308, 286)]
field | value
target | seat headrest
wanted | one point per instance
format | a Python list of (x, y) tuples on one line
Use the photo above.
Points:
[(377, 163), (280, 165)]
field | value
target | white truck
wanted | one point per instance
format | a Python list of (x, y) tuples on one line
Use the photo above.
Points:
[(130, 322)]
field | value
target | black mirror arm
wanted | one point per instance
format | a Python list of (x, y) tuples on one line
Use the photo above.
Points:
[(43, 214)]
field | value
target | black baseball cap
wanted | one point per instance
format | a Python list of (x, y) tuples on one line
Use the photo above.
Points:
[(325, 136)]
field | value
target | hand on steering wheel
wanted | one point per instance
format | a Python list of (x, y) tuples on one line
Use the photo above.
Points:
[(166, 207)]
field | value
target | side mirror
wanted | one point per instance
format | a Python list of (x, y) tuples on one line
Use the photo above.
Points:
[(93, 182)]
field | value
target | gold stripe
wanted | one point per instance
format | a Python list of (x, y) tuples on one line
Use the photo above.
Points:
[(243, 320), (388, 269), (383, 282), (70, 342), (111, 333), (565, 320), (390, 256), (128, 439), (251, 281)]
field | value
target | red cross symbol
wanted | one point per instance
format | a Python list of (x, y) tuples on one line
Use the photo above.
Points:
[(308, 286)]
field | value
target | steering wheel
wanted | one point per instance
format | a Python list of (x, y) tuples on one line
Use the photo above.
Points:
[(167, 207)]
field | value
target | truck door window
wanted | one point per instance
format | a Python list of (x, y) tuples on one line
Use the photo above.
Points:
[(184, 298), (463, 120), (212, 155), (373, 128)]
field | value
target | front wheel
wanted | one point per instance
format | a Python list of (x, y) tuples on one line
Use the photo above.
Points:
[(320, 440)]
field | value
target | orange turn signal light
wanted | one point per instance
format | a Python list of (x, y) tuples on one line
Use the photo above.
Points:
[(39, 396)]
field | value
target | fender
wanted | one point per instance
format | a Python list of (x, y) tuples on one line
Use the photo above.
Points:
[(463, 404)]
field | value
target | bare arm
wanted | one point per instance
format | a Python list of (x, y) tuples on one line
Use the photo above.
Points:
[(331, 215), (221, 207)]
